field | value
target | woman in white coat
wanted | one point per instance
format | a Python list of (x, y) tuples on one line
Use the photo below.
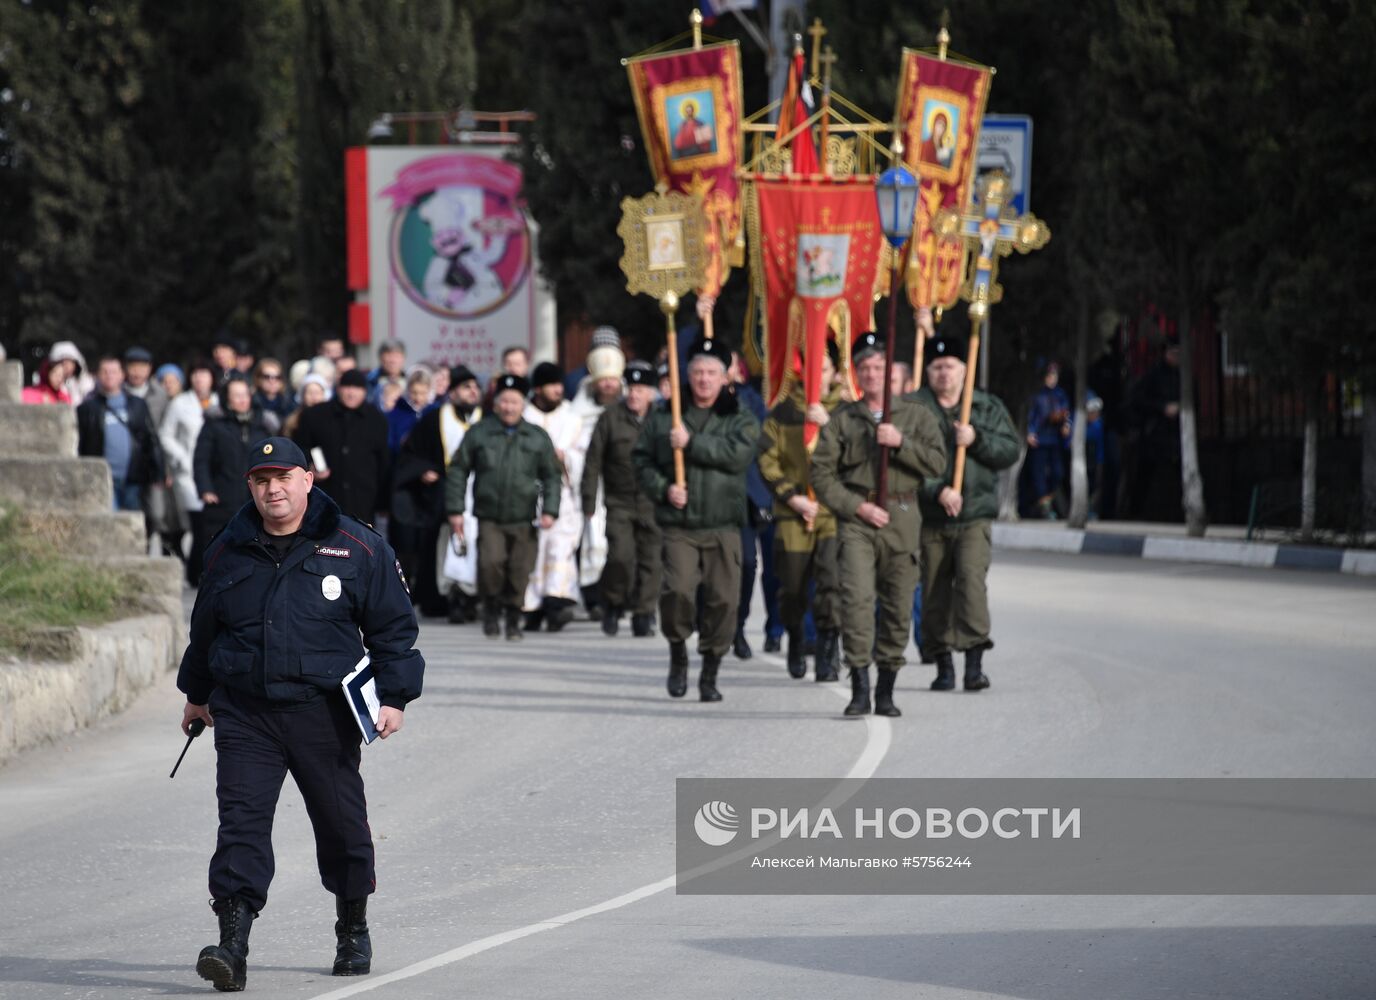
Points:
[(181, 425)]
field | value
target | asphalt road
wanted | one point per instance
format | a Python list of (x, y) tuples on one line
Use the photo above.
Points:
[(524, 817)]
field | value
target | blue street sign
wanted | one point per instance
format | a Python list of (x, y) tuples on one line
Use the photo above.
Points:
[(1005, 143)]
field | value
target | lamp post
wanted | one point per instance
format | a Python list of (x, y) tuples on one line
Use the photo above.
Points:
[(896, 193)]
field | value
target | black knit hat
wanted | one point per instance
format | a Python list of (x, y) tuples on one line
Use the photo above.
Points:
[(460, 374)]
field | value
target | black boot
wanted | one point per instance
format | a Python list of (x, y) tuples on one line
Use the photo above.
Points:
[(642, 626), (707, 680), (678, 669), (797, 662), (226, 964), (741, 645), (828, 655), (883, 694), (353, 953), (558, 613), (859, 692), (514, 622), (611, 621), (492, 619), (945, 673), (772, 643), (974, 676)]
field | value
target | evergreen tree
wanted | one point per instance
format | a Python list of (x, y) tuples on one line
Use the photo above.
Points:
[(357, 60)]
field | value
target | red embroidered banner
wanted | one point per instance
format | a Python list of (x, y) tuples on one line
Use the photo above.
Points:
[(690, 110), (940, 107), (818, 257)]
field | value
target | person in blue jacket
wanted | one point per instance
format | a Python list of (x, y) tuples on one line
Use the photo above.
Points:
[(292, 595)]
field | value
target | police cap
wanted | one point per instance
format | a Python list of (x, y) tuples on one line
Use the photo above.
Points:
[(276, 453)]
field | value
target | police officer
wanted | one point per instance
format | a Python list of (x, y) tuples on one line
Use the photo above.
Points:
[(701, 520), (292, 592), (514, 470), (631, 576), (957, 527), (878, 544), (805, 544)]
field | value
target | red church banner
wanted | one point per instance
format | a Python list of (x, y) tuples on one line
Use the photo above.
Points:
[(690, 110), (817, 258), (940, 107)]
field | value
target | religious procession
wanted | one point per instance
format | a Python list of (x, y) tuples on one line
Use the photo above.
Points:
[(640, 485)]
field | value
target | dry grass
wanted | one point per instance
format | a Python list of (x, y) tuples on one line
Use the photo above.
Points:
[(41, 590)]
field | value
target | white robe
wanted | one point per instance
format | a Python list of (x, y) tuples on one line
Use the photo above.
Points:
[(556, 565), (592, 557), (455, 567)]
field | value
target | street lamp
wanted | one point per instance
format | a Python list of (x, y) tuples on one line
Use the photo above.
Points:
[(896, 194)]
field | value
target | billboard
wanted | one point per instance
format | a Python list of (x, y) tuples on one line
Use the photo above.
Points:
[(442, 256)]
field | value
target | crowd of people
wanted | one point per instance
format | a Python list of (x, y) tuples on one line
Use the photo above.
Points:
[(533, 497)]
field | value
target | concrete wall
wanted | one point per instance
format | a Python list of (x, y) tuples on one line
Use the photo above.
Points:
[(84, 674), (106, 667)]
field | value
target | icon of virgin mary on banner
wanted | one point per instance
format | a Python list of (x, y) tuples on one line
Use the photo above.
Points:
[(690, 109), (940, 107)]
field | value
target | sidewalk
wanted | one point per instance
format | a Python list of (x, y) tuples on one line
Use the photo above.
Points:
[(1222, 544)]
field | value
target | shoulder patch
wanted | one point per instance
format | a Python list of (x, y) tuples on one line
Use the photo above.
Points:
[(326, 550)]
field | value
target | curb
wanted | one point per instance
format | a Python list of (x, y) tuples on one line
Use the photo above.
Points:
[(1218, 552), (110, 665)]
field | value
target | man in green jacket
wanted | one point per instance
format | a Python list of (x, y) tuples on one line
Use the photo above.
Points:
[(957, 527), (514, 470), (701, 520), (630, 578), (878, 543), (805, 542)]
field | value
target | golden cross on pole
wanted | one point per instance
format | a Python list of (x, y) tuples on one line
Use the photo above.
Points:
[(828, 57), (816, 31), (990, 230)]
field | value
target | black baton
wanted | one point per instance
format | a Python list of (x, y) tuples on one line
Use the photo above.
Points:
[(195, 729)]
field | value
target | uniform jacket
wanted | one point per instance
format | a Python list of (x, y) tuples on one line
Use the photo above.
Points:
[(784, 459), (145, 458), (609, 459), (355, 446), (845, 463), (512, 473), (719, 452), (220, 461), (995, 448), (273, 631)]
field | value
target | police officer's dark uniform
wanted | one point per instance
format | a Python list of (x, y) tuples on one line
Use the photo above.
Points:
[(702, 541), (878, 565), (956, 550), (630, 579), (515, 476), (278, 622)]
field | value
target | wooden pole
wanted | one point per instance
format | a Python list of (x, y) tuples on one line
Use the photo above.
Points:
[(967, 396), (669, 306)]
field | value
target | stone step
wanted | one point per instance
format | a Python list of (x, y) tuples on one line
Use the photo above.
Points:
[(157, 583), (39, 485), (103, 533), (49, 429), (11, 381)]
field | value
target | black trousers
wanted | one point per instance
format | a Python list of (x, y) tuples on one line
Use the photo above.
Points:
[(257, 743)]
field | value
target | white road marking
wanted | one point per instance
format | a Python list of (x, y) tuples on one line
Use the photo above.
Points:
[(878, 737)]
